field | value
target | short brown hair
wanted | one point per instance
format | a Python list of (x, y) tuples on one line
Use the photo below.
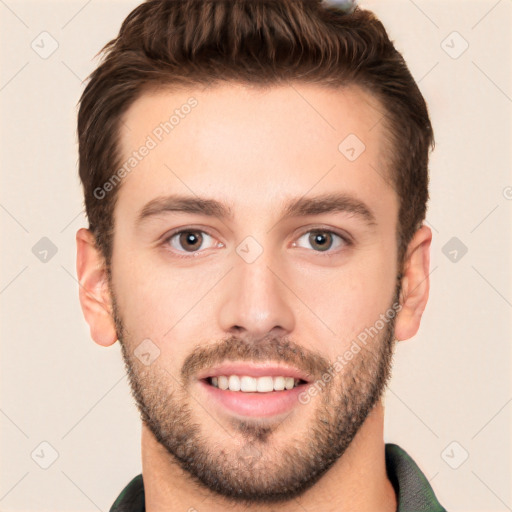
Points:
[(263, 43)]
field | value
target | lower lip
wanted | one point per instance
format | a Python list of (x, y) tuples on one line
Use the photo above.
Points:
[(255, 404)]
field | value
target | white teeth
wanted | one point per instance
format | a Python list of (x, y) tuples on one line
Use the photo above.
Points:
[(223, 382), (265, 384), (253, 384), (234, 383), (279, 383), (248, 383)]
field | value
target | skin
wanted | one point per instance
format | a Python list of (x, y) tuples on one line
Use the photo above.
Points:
[(254, 150)]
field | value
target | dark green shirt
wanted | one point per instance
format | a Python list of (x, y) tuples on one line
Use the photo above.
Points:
[(413, 491)]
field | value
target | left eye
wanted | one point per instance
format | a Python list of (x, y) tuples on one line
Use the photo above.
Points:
[(322, 239)]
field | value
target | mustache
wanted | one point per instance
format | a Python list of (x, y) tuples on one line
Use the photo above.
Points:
[(267, 349)]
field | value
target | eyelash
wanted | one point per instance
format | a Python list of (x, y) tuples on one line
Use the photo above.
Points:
[(345, 241)]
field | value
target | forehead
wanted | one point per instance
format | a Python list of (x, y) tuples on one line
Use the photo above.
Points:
[(264, 143)]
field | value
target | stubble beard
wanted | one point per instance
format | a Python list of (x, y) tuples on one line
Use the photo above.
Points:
[(247, 468)]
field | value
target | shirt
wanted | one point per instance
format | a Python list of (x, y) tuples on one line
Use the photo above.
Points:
[(413, 491)]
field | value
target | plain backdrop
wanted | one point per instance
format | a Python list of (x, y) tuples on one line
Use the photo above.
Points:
[(65, 402)]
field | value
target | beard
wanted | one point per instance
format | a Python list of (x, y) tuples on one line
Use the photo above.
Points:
[(250, 467)]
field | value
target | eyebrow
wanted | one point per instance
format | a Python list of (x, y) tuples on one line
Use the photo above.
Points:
[(299, 207)]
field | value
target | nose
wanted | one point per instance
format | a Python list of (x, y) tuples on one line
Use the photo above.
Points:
[(255, 299)]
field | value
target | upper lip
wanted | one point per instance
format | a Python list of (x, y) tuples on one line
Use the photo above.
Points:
[(254, 370)]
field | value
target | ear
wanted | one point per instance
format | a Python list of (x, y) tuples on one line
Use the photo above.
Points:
[(415, 284), (94, 292)]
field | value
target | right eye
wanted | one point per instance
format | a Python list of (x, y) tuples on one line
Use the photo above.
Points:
[(190, 241)]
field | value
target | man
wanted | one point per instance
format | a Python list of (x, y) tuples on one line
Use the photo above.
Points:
[(255, 178)]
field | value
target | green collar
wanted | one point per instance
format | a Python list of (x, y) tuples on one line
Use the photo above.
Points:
[(413, 491)]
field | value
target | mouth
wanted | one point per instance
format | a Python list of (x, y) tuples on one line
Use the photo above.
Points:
[(253, 390)]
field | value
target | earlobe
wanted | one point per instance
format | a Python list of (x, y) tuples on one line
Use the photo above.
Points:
[(94, 293), (415, 284)]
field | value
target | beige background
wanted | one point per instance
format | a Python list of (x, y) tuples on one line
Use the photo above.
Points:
[(452, 383)]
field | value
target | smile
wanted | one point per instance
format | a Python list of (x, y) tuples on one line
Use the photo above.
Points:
[(247, 384), (254, 390)]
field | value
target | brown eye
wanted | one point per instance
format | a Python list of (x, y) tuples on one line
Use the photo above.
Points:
[(322, 240), (189, 240)]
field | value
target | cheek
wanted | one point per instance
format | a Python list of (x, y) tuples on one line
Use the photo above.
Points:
[(141, 298), (162, 303), (351, 298)]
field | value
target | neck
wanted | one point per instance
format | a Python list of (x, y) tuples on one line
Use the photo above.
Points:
[(356, 482)]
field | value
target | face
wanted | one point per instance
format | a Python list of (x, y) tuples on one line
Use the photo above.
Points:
[(251, 244)]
